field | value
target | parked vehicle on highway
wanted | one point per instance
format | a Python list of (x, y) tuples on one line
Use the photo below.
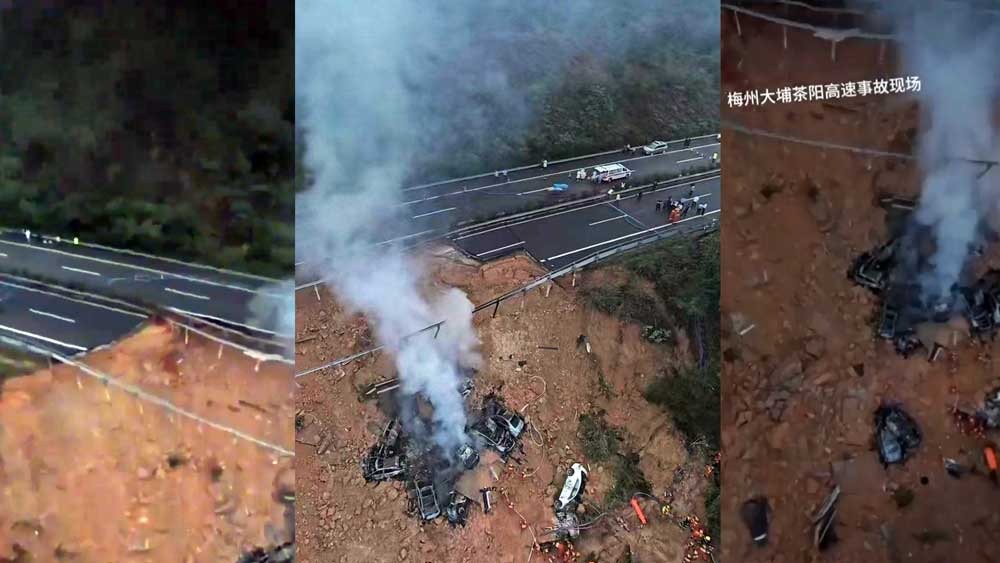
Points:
[(609, 173), (655, 147)]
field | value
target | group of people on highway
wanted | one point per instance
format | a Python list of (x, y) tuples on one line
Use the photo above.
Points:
[(681, 208)]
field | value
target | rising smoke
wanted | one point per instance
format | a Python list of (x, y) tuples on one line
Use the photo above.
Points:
[(380, 86), (953, 50), (274, 309)]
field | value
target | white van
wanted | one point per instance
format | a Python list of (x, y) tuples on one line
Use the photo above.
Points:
[(609, 173)]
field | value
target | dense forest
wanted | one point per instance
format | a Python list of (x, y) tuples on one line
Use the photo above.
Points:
[(164, 128), (575, 78)]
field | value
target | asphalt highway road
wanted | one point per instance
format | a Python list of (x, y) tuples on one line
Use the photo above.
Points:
[(66, 325), (463, 203), (561, 238), (205, 293), (433, 208)]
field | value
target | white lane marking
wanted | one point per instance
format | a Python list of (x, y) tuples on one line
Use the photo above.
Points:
[(2, 255), (404, 237), (690, 159), (564, 254), (574, 210), (259, 291), (499, 249), (43, 338), (44, 314), (606, 220), (560, 174), (433, 212), (546, 189), (80, 301), (179, 292), (627, 214), (88, 272), (598, 155)]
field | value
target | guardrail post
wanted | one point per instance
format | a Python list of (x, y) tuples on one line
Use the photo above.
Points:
[(739, 30), (496, 309), (185, 336), (524, 295), (219, 355), (316, 289), (881, 51), (574, 277), (548, 289), (437, 330)]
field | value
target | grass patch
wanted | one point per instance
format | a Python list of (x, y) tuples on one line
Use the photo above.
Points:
[(603, 443), (628, 302), (691, 396)]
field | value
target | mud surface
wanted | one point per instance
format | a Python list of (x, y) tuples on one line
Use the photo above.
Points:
[(802, 383), (530, 356), (91, 473)]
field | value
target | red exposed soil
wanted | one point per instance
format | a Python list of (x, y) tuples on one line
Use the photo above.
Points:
[(800, 388), (90, 473), (340, 518)]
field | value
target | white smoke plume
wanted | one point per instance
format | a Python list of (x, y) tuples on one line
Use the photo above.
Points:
[(383, 85), (954, 52), (274, 309)]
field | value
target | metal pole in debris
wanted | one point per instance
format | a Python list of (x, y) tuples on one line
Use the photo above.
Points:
[(574, 278), (437, 330), (548, 289), (496, 309), (316, 289)]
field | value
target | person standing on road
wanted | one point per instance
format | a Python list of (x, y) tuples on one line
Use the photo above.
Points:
[(691, 191), (702, 208), (638, 197), (659, 205), (545, 164)]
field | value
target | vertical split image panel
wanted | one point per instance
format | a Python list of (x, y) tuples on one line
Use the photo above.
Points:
[(860, 401), (146, 254), (507, 281)]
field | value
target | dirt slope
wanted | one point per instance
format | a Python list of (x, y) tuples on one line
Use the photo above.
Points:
[(90, 473), (342, 519), (800, 388)]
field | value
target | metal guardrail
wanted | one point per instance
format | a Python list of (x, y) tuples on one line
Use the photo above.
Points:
[(74, 242), (143, 395), (572, 267), (470, 230), (539, 165)]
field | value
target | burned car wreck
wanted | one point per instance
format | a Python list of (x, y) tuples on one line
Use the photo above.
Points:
[(431, 474), (892, 278), (896, 434)]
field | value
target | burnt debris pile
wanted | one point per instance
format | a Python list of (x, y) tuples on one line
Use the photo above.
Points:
[(896, 272), (431, 474)]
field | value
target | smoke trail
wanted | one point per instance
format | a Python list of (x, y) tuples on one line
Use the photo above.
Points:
[(953, 51), (384, 87), (276, 314), (354, 76)]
